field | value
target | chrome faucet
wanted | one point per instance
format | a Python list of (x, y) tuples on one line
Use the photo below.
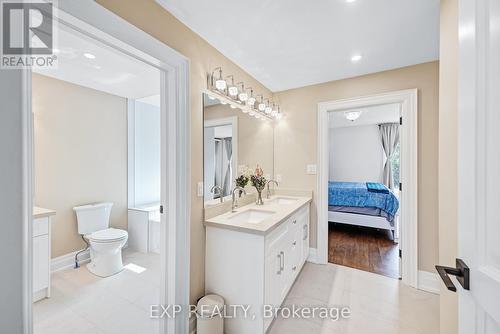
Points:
[(235, 200), (216, 187), (268, 190)]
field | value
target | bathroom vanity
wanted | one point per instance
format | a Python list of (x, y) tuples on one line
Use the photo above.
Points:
[(254, 255), (41, 252)]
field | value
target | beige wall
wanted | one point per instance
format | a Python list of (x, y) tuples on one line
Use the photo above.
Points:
[(448, 177), (80, 155), (296, 140), (153, 19)]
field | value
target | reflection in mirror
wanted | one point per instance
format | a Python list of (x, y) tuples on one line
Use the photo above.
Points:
[(234, 143)]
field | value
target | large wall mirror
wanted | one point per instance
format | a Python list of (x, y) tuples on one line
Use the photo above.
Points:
[(234, 143)]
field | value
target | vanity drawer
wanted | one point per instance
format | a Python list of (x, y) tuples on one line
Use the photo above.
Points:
[(40, 226)]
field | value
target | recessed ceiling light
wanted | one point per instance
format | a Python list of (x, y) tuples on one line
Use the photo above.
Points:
[(356, 58), (89, 55)]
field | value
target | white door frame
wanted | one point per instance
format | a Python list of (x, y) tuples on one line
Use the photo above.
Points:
[(95, 21), (409, 167)]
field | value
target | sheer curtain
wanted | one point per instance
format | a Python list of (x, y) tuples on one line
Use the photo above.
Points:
[(228, 145), (389, 133)]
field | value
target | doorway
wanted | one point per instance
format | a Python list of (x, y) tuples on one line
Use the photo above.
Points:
[(91, 19), (408, 173)]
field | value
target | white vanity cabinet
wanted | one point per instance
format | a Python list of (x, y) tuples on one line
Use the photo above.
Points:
[(41, 253), (256, 269)]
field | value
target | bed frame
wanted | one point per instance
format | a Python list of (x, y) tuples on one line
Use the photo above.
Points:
[(364, 220)]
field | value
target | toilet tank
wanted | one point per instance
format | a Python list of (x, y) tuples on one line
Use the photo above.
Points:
[(93, 217)]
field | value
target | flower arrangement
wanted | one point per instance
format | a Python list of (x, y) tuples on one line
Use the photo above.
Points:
[(259, 182)]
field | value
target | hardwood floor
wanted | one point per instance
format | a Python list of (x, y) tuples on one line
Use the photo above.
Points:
[(363, 248)]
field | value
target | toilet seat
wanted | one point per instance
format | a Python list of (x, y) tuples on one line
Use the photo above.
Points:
[(108, 235)]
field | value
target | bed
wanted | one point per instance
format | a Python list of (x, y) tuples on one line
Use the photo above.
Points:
[(363, 204)]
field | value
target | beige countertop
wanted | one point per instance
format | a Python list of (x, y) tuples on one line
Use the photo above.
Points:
[(280, 212), (41, 212)]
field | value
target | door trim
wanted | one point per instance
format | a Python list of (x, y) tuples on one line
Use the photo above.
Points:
[(409, 174), (95, 21)]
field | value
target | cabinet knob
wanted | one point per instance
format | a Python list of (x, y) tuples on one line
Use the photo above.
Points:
[(295, 221), (294, 243)]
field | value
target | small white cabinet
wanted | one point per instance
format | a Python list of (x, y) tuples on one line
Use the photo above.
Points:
[(41, 253), (256, 269)]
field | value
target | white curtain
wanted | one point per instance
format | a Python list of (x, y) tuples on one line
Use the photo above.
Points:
[(228, 145), (389, 133)]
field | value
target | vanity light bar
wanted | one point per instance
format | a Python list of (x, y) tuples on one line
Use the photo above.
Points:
[(229, 93)]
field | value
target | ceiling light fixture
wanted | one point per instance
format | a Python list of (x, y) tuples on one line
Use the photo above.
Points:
[(356, 58), (352, 115), (89, 55)]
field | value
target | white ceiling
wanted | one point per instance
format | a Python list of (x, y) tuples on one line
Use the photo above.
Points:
[(387, 113), (290, 43), (111, 71)]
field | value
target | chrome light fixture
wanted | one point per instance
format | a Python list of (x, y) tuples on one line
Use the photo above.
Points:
[(262, 105), (220, 83), (242, 96), (352, 115), (238, 97), (268, 109), (275, 110), (251, 99), (232, 89)]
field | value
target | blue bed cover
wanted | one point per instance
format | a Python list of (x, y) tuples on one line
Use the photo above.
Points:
[(356, 194)]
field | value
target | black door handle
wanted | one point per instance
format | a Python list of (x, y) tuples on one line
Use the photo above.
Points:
[(461, 271)]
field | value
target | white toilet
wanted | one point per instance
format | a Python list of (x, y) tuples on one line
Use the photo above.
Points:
[(105, 243)]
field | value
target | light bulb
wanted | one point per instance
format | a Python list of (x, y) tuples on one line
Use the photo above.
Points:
[(262, 106), (268, 110), (279, 116), (233, 90), (220, 84), (243, 96), (251, 101), (274, 113)]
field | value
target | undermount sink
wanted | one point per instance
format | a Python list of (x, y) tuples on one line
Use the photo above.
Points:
[(251, 216), (282, 200)]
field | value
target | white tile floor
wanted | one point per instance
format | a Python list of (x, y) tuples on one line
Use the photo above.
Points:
[(378, 304), (87, 304), (83, 303)]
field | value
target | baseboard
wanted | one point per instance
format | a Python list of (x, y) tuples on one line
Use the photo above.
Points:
[(313, 255), (429, 282), (67, 261), (192, 325)]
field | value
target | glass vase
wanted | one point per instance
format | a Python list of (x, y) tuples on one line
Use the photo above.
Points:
[(259, 197)]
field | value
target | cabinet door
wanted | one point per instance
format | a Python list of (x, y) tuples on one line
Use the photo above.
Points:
[(40, 262)]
